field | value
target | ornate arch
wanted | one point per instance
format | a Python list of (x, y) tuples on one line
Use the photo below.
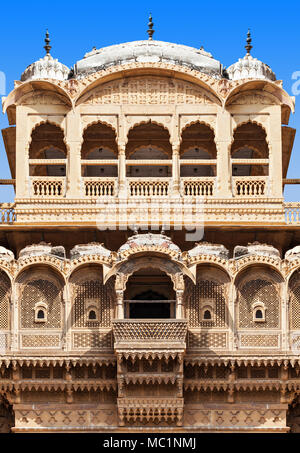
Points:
[(172, 268)]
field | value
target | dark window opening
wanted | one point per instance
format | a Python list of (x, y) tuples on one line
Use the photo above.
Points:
[(145, 309), (207, 315), (259, 314), (92, 314), (41, 314)]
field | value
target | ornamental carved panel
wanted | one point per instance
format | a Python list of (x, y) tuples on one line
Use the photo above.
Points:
[(149, 90)]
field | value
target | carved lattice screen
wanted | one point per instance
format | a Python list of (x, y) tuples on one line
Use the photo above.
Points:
[(40, 286), (92, 293), (203, 293), (263, 291), (295, 302), (4, 301)]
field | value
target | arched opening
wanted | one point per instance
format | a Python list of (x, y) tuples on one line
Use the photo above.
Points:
[(249, 144), (47, 151), (198, 145), (99, 160), (149, 295), (148, 160), (198, 154), (99, 152)]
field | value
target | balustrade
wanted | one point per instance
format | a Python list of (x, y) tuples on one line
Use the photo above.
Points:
[(149, 187), (97, 187), (250, 186), (8, 214), (46, 186), (292, 213), (198, 187)]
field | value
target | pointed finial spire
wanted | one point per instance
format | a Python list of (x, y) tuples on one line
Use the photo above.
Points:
[(150, 30), (47, 47), (248, 47)]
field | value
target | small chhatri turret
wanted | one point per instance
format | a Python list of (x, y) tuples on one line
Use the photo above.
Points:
[(249, 67), (47, 67)]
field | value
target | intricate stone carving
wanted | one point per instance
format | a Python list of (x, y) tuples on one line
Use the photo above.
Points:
[(149, 90)]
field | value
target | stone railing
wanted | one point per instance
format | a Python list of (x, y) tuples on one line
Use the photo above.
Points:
[(149, 187), (127, 330), (247, 186), (194, 187), (149, 409), (47, 186), (97, 187), (292, 213), (7, 212)]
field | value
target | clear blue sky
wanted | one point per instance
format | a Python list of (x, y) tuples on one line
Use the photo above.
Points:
[(220, 26)]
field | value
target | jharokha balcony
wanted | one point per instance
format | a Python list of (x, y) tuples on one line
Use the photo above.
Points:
[(150, 333)]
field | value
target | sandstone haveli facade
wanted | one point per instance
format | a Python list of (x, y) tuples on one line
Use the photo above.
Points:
[(149, 264)]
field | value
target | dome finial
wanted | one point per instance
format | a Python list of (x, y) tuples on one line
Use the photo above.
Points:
[(47, 47), (150, 30), (248, 47)]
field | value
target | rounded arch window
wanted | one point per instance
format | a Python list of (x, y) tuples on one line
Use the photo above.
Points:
[(259, 313), (40, 312)]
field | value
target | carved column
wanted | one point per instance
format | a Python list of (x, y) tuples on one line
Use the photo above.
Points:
[(22, 155), (179, 305), (122, 171), (223, 143), (74, 141), (176, 170), (68, 319), (14, 344), (120, 305), (275, 153)]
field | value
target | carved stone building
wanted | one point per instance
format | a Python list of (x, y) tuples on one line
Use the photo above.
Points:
[(108, 329)]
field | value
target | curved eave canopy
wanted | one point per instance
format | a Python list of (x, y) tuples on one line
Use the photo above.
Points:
[(30, 87), (274, 88)]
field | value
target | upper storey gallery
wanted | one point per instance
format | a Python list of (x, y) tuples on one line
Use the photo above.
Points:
[(148, 119)]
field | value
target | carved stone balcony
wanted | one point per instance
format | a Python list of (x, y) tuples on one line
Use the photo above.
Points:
[(150, 334), (150, 409)]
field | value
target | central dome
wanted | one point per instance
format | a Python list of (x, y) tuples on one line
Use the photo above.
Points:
[(148, 51)]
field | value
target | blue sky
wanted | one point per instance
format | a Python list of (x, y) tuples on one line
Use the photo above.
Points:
[(221, 27)]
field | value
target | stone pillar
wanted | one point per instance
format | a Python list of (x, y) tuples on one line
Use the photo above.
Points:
[(14, 342), (74, 142), (175, 170), (120, 305), (68, 319), (122, 171), (179, 305), (275, 153), (23, 188), (223, 142)]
